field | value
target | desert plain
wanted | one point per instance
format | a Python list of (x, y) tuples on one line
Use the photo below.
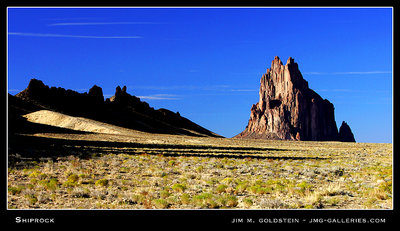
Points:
[(85, 167)]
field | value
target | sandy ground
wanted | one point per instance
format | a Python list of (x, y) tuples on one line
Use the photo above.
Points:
[(75, 123)]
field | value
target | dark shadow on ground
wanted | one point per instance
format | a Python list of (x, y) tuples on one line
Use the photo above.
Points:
[(33, 147)]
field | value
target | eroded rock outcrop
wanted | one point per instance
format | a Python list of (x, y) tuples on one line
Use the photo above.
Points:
[(345, 133), (124, 99), (288, 109), (63, 100)]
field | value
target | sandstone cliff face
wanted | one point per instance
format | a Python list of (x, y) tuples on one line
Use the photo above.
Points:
[(288, 109)]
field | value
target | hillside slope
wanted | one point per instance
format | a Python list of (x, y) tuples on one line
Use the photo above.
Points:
[(121, 110)]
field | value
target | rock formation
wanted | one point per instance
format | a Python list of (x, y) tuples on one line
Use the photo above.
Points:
[(122, 98), (62, 100), (345, 133), (122, 109), (288, 109), (96, 93)]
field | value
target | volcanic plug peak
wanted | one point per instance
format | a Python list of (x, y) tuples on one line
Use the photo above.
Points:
[(288, 109)]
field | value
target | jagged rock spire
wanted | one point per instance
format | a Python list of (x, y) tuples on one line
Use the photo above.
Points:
[(345, 133), (288, 108)]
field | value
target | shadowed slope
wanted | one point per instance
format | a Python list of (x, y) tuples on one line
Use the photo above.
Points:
[(123, 109)]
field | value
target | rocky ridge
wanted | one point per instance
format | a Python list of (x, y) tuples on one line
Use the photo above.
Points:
[(122, 109)]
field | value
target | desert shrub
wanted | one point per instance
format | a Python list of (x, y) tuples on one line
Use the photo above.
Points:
[(212, 181), (42, 176), (15, 190), (332, 190), (227, 180), (303, 186), (280, 185), (241, 187), (314, 200), (32, 199), (175, 200), (161, 203), (137, 198), (271, 203), (192, 176), (378, 193), (253, 188), (226, 201), (370, 202), (218, 165), (257, 189), (200, 168), (51, 184), (98, 194), (204, 200), (34, 174), (102, 182), (248, 202), (164, 194), (208, 200), (332, 201), (179, 187), (72, 180), (81, 192), (231, 201), (34, 181), (386, 187), (185, 198), (43, 198), (221, 188), (30, 196)]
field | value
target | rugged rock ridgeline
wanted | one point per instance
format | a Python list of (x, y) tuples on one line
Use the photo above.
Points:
[(122, 109), (288, 109)]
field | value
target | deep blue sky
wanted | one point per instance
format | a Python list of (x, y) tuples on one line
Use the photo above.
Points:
[(207, 63)]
